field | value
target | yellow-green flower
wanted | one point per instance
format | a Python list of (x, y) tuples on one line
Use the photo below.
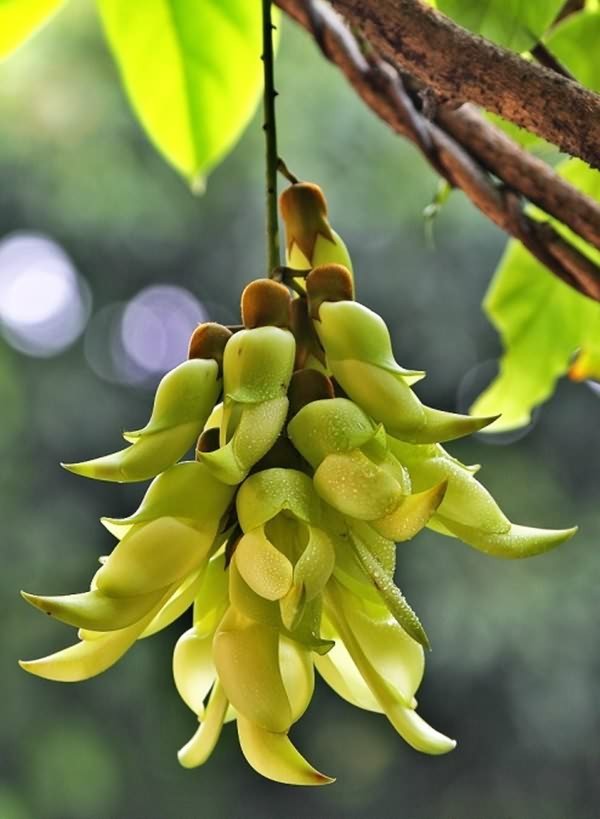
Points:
[(313, 458)]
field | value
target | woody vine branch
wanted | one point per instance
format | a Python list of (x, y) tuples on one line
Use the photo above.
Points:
[(495, 173)]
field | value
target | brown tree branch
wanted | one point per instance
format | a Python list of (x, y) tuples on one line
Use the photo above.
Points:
[(522, 171), (464, 67), (381, 87)]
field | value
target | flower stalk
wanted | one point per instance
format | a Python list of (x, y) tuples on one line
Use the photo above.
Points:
[(270, 130)]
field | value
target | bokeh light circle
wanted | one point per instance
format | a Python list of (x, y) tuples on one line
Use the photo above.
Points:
[(44, 303), (157, 324)]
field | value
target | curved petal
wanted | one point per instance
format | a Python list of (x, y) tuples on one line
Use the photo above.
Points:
[(203, 743), (89, 657), (150, 556), (329, 426), (399, 712), (185, 395), (193, 669), (263, 495), (339, 671), (186, 490), (395, 656), (518, 542), (248, 602), (297, 673), (273, 756), (180, 601), (144, 459), (412, 514), (258, 428), (350, 330), (265, 569), (315, 565), (246, 655), (355, 486), (466, 500), (96, 611)]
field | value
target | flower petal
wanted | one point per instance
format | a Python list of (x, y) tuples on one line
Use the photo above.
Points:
[(203, 743), (265, 569), (273, 755), (193, 669), (246, 656)]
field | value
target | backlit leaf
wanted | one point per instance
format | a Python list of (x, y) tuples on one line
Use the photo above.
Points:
[(542, 321), (19, 19), (192, 71), (575, 43), (516, 24)]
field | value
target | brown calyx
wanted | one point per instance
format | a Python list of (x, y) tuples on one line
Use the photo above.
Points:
[(307, 386), (328, 282), (266, 303), (303, 208), (208, 341)]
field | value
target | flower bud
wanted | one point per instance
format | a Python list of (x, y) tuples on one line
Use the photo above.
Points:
[(359, 356), (258, 364), (208, 341), (324, 427), (257, 370), (468, 511), (328, 282), (263, 495), (310, 239), (187, 491), (266, 302), (184, 400)]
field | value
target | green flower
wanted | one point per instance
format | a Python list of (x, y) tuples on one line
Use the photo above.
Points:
[(184, 400), (281, 534)]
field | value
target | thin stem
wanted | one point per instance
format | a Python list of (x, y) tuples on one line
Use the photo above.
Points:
[(285, 171), (270, 129)]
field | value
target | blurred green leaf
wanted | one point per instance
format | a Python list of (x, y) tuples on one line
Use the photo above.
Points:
[(542, 321), (575, 42), (516, 24), (192, 72), (19, 19)]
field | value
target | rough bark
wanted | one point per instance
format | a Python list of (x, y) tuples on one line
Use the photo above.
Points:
[(468, 152), (461, 66)]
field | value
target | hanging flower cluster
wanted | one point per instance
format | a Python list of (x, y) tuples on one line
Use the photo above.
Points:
[(281, 532)]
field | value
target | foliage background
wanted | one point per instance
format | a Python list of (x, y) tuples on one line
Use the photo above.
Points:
[(513, 674)]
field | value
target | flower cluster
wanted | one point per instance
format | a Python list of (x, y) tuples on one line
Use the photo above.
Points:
[(281, 531)]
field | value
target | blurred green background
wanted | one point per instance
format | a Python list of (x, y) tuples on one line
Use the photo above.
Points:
[(91, 221)]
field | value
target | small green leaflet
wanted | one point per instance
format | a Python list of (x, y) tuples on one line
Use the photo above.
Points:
[(19, 19), (541, 320), (192, 71), (516, 24), (575, 42)]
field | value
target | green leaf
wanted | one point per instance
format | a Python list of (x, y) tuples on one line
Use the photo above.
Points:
[(19, 19), (542, 321), (575, 43), (516, 24), (192, 71)]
